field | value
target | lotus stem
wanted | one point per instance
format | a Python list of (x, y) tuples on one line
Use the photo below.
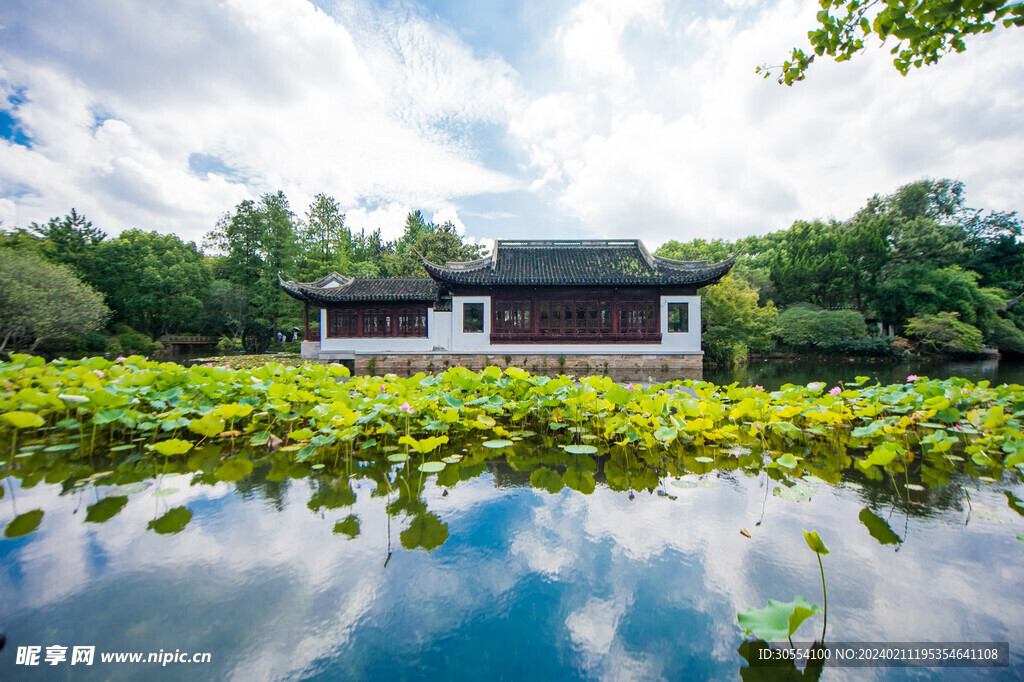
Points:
[(824, 597)]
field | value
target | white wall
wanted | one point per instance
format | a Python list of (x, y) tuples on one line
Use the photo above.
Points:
[(445, 332), (681, 342), (475, 342)]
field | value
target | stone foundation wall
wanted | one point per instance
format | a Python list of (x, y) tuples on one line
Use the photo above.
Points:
[(632, 367)]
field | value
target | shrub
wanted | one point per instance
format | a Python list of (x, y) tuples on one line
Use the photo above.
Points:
[(135, 342), (944, 332), (1006, 336), (229, 344), (805, 325)]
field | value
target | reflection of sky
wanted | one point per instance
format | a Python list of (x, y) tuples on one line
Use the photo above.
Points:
[(527, 585)]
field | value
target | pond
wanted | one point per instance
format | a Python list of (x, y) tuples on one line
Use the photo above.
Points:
[(773, 372), (521, 557)]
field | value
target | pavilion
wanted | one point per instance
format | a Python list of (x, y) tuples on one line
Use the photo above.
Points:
[(569, 304)]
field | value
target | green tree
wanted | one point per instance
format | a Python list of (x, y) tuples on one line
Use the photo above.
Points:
[(924, 30), (70, 241), (43, 301), (257, 241), (325, 243), (807, 325), (154, 282), (944, 332), (733, 322)]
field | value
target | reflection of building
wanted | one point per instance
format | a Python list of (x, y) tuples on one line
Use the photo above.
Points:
[(558, 304)]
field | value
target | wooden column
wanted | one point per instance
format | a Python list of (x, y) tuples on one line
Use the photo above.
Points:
[(305, 320)]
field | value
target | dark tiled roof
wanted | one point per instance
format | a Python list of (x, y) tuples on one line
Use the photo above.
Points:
[(335, 288), (580, 263)]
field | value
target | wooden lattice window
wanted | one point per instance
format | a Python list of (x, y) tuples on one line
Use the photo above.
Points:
[(412, 321), (342, 323), (377, 322), (511, 317), (638, 318)]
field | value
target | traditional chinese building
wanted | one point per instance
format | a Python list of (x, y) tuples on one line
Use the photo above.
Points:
[(541, 305)]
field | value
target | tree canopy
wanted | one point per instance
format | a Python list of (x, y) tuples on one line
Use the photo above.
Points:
[(41, 300), (924, 31)]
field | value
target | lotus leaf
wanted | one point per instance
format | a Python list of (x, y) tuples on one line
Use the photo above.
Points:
[(174, 521), (778, 620), (23, 420), (105, 509), (23, 524)]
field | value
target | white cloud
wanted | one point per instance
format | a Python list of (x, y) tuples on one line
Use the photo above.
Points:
[(697, 145), (279, 92)]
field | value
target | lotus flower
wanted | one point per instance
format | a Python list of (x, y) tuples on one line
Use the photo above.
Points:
[(835, 391), (405, 408), (120, 358), (631, 387), (912, 378)]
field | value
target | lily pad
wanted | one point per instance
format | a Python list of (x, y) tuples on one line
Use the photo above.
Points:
[(349, 526), (105, 509), (165, 492), (684, 484), (398, 457), (496, 444), (704, 460), (787, 460), (130, 488), (431, 467), (580, 449), (174, 521), (778, 620), (23, 524)]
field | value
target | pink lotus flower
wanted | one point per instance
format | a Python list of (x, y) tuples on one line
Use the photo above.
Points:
[(120, 358), (209, 364), (382, 388), (98, 373), (405, 408), (631, 387), (835, 391), (912, 378), (758, 387)]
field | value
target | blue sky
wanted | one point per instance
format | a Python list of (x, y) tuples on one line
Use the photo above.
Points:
[(572, 118)]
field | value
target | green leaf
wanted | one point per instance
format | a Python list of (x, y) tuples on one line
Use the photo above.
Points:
[(349, 526), (617, 395), (787, 460), (496, 444), (778, 620), (879, 528), (233, 470), (174, 521), (105, 509), (300, 434), (23, 524), (23, 420), (174, 446), (815, 542), (425, 445), (546, 479), (431, 467), (580, 449), (426, 531), (786, 429), (398, 457), (580, 481), (209, 425)]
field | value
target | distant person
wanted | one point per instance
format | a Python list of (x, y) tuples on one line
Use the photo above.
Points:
[(295, 333), (280, 337)]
